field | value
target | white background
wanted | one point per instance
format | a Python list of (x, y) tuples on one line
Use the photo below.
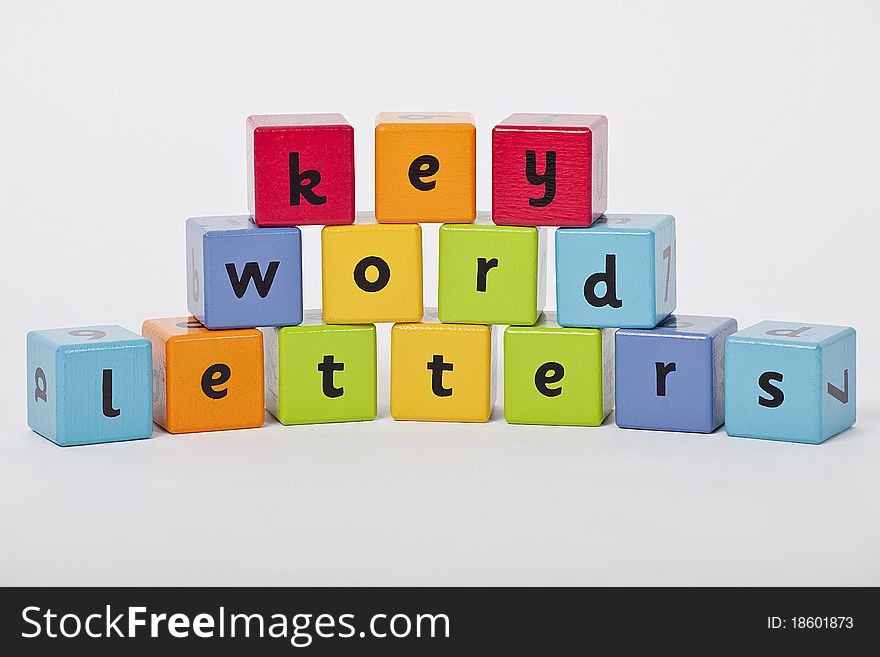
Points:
[(754, 123)]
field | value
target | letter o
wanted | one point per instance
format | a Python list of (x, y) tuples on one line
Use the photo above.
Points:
[(76, 623), (382, 278), (393, 623)]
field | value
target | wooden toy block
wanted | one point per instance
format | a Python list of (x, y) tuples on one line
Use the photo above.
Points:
[(88, 385), (556, 375), (620, 272), (442, 372), (205, 380), (426, 167), (300, 169), (242, 276), (790, 381), (491, 274), (316, 372), (371, 272), (671, 377), (549, 169)]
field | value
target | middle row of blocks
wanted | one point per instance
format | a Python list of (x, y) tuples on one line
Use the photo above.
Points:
[(620, 272)]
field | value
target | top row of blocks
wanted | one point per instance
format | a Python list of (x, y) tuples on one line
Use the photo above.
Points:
[(547, 169)]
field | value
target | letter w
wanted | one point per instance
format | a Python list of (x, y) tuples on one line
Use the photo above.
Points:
[(252, 271)]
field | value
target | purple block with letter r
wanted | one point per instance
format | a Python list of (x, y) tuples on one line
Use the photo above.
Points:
[(243, 276), (671, 377)]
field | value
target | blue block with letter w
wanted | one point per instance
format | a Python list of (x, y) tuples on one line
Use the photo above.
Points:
[(243, 276)]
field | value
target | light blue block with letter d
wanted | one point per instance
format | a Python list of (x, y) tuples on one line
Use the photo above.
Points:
[(619, 272), (790, 381), (92, 384)]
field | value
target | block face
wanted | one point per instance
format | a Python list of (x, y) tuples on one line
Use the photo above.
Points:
[(620, 272), (404, 119), (271, 397), (790, 381), (798, 418), (320, 372), (441, 372), (558, 376), (839, 383), (425, 167), (89, 385), (42, 387), (549, 169), (213, 380), (300, 169), (491, 274), (371, 273), (671, 378), (241, 276)]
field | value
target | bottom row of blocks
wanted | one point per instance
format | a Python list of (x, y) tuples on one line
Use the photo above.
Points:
[(784, 381)]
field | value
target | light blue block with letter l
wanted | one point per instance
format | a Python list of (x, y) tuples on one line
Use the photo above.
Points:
[(790, 381), (619, 272), (92, 384), (242, 276)]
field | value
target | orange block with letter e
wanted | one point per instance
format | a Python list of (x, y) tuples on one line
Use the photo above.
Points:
[(426, 167), (205, 380)]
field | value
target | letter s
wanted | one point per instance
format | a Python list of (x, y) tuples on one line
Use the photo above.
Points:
[(24, 617), (776, 394)]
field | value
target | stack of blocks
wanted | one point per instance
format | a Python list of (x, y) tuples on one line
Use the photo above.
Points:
[(613, 341)]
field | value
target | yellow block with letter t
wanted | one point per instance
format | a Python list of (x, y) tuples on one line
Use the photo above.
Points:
[(442, 372)]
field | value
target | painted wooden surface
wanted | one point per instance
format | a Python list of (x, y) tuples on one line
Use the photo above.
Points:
[(549, 169), (558, 376), (205, 380), (300, 169), (790, 381), (371, 272), (491, 274), (89, 384), (317, 372), (671, 377), (442, 372), (426, 167), (242, 276), (618, 273)]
